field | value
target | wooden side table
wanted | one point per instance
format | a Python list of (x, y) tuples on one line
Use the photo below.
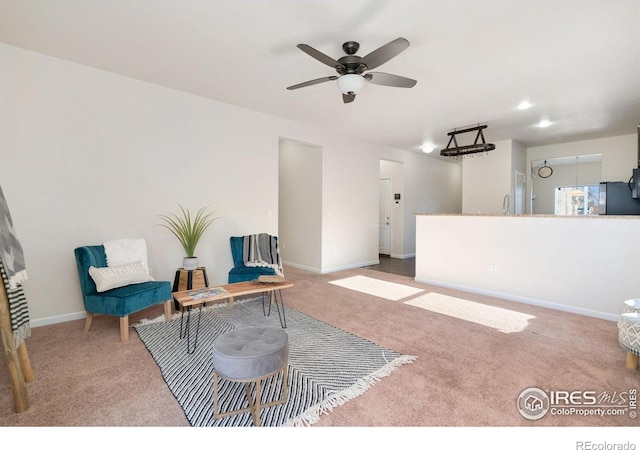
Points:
[(189, 279)]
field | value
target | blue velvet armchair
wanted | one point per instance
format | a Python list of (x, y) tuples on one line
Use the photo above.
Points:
[(240, 272), (120, 301)]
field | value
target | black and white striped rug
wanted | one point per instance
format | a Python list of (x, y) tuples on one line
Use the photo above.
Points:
[(327, 366)]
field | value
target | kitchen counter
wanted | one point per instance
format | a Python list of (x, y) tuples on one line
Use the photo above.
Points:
[(584, 264)]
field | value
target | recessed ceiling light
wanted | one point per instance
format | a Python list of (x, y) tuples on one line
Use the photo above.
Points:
[(544, 123), (524, 104), (428, 148)]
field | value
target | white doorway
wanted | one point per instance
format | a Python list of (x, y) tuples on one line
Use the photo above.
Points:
[(384, 219)]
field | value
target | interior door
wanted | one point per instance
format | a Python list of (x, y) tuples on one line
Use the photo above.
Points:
[(384, 240)]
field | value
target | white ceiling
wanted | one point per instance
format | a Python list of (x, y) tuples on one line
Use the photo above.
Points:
[(576, 61)]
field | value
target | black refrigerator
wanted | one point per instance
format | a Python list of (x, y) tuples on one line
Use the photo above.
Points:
[(616, 199)]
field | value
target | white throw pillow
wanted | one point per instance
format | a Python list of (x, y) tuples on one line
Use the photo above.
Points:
[(107, 278), (125, 251)]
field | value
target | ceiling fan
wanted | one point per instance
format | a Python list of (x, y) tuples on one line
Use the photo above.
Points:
[(351, 68)]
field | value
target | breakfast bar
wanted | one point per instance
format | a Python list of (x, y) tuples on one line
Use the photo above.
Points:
[(583, 264)]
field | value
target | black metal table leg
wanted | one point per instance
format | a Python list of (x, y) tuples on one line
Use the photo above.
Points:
[(186, 324), (273, 298), (263, 295), (283, 318), (187, 330)]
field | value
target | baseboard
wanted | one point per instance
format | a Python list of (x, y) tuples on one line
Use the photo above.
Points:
[(351, 266), (332, 269), (410, 255), (57, 319), (302, 267), (526, 300)]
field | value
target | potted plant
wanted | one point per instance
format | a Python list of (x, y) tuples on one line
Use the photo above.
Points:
[(188, 230)]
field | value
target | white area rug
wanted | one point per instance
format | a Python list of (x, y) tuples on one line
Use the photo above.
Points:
[(501, 319), (379, 288)]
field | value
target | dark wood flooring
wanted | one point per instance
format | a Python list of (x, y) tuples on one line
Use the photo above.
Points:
[(406, 267)]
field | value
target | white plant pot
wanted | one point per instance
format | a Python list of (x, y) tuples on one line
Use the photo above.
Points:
[(190, 263)]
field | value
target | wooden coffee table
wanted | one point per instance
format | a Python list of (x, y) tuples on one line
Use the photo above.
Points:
[(268, 288)]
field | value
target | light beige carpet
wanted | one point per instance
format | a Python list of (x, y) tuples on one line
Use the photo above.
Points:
[(458, 386), (379, 288), (501, 319)]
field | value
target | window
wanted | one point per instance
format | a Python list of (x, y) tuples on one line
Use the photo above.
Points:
[(577, 200)]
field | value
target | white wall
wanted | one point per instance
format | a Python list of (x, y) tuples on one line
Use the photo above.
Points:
[(587, 264), (300, 204), (87, 156), (486, 179), (350, 208)]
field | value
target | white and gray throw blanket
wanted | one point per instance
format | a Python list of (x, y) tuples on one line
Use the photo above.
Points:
[(18, 309), (10, 248), (261, 250), (13, 271)]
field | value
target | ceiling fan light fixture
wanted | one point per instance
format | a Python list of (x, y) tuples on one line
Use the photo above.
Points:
[(350, 68), (350, 84)]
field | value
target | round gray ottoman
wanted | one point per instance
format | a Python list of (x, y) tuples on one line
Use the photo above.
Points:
[(248, 355)]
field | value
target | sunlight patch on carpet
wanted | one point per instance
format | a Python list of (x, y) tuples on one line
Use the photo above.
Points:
[(501, 319), (379, 288)]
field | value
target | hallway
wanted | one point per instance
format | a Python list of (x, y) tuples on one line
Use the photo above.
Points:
[(406, 267)]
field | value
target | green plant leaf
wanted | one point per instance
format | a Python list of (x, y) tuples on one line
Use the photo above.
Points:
[(186, 229)]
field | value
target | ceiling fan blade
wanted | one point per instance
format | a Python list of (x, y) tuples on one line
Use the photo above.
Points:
[(384, 53), (312, 82), (388, 79), (346, 98), (329, 61)]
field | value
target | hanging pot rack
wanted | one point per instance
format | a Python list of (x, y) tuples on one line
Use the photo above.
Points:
[(463, 150)]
